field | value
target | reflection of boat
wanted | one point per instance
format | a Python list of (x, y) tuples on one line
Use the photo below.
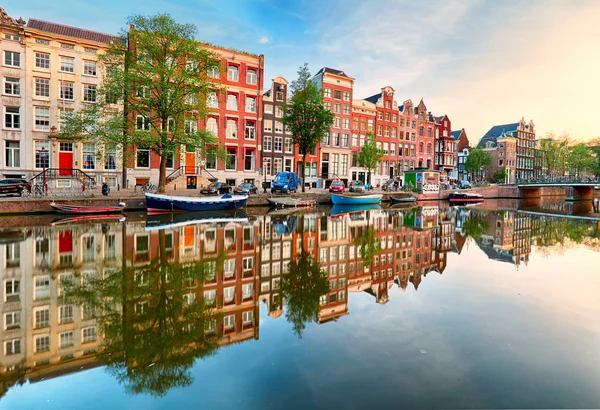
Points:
[(162, 221), (169, 203), (289, 202), (82, 209), (343, 199), (284, 225), (465, 197), (402, 199), (12, 235), (89, 218), (348, 209)]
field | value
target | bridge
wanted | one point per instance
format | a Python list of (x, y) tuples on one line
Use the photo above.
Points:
[(576, 188)]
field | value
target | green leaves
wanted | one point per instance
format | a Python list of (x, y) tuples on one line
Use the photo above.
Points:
[(477, 158), (370, 155)]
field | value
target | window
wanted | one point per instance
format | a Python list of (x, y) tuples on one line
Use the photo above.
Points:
[(42, 87), (229, 295), (214, 72), (345, 140), (89, 68), (14, 37), (337, 122), (251, 77), (346, 96), (278, 145), (327, 92), (231, 131), (268, 108), (67, 46), (278, 111), (88, 334), (143, 92), (12, 118), (277, 165), (42, 318), (231, 159), (42, 344), (346, 124), (142, 158), (110, 158), (327, 105), (233, 73), (344, 164), (267, 142), (66, 90), (89, 93), (89, 50), (13, 154), (89, 156), (42, 60), (232, 102), (12, 59), (247, 265), (66, 339), (12, 86), (67, 64), (12, 290), (289, 145), (278, 127), (249, 160), (12, 347), (12, 320), (212, 126), (42, 119), (337, 94), (250, 104), (66, 314), (212, 101), (191, 126), (142, 122), (267, 166)]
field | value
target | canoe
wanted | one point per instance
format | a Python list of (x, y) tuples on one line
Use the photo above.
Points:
[(168, 203), (342, 199), (290, 202), (177, 220), (402, 199), (465, 197), (81, 209)]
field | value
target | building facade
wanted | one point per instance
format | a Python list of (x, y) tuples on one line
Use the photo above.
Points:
[(407, 132), (363, 121), (444, 148), (461, 141), (425, 136)]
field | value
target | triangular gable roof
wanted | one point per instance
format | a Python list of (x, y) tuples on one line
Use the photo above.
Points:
[(373, 99), (498, 130)]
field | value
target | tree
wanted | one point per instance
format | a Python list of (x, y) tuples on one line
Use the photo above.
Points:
[(477, 159), (305, 116), (581, 160), (556, 151), (370, 155), (368, 244), (159, 76), (501, 176), (475, 226)]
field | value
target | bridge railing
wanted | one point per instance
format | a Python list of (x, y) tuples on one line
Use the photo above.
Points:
[(550, 180)]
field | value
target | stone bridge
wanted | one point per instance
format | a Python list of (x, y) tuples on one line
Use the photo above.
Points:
[(576, 189)]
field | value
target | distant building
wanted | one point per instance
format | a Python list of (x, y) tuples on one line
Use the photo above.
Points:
[(407, 132), (503, 151), (444, 147), (363, 121), (461, 141)]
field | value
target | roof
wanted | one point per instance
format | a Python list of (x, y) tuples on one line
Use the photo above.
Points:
[(456, 134), (69, 31), (497, 131), (401, 108), (332, 71), (374, 98)]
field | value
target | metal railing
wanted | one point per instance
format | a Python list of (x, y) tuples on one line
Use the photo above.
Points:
[(554, 180)]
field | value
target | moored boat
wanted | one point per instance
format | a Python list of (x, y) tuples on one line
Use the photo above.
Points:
[(177, 220), (465, 197), (89, 218), (289, 202), (349, 209), (343, 199), (83, 209), (402, 199), (169, 203)]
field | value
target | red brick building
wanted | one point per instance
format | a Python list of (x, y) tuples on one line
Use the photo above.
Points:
[(444, 147), (363, 121), (407, 136), (425, 140)]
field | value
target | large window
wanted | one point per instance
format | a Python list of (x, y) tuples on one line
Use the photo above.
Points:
[(89, 156), (251, 77), (42, 87), (142, 158), (12, 118), (12, 59), (12, 86), (289, 145), (89, 68), (13, 154), (233, 73), (89, 93), (42, 119), (278, 146), (42, 154), (212, 101), (231, 129), (214, 72), (142, 122), (110, 158), (191, 126), (267, 143), (67, 64), (231, 161), (249, 160), (42, 60), (212, 126), (277, 166), (267, 166), (42, 344), (232, 102), (250, 104), (250, 131), (66, 90)]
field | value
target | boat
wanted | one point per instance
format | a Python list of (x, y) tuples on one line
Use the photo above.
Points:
[(344, 199), (337, 210), (402, 199), (89, 218), (176, 220), (465, 197), (168, 203), (289, 202), (82, 209)]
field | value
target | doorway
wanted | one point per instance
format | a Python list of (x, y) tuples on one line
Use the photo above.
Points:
[(65, 159), (190, 162)]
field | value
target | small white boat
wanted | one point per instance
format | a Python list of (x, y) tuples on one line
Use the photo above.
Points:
[(289, 202), (344, 199)]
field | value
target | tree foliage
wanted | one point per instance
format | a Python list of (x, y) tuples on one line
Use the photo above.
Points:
[(305, 116), (370, 155), (477, 159), (154, 92)]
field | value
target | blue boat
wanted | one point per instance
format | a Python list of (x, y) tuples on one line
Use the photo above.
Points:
[(167, 203), (342, 199), (348, 209)]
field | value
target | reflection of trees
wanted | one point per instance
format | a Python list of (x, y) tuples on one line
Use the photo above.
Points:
[(153, 326), (475, 226), (561, 231), (368, 244)]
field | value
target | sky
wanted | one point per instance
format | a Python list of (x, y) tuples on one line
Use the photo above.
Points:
[(481, 62)]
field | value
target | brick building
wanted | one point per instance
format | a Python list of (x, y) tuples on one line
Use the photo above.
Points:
[(425, 136), (363, 121), (407, 136), (461, 141), (444, 147)]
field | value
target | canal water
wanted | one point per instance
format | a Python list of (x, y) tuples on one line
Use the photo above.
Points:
[(429, 307)]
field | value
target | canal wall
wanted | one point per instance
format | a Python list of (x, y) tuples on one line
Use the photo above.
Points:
[(501, 191)]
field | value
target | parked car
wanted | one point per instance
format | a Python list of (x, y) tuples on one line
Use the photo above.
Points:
[(464, 185), (285, 182), (216, 188), (356, 186), (245, 188), (337, 186), (14, 186)]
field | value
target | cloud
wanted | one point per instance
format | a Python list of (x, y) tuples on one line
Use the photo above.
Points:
[(264, 40)]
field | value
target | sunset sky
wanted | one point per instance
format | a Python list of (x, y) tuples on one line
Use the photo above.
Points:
[(481, 62)]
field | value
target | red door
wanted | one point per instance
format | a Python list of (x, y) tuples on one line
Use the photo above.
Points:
[(65, 159), (65, 242), (190, 162)]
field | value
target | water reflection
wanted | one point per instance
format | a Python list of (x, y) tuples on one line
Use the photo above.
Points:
[(147, 298)]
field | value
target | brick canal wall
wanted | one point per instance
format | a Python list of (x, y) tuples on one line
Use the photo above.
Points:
[(501, 191)]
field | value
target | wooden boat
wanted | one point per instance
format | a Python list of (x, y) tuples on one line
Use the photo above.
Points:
[(402, 199), (168, 203), (88, 219), (82, 209), (344, 199), (176, 220), (465, 197), (289, 202)]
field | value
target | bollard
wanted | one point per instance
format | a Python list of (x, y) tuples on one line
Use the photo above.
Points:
[(118, 187), (174, 187)]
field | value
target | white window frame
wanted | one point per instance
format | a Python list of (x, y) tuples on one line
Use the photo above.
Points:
[(90, 68), (42, 87), (14, 86), (41, 120), (67, 65)]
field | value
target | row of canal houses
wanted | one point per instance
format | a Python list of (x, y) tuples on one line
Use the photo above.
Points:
[(49, 69), (46, 333)]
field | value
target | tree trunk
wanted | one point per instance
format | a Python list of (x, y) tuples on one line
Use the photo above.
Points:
[(369, 179), (162, 175), (303, 172)]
